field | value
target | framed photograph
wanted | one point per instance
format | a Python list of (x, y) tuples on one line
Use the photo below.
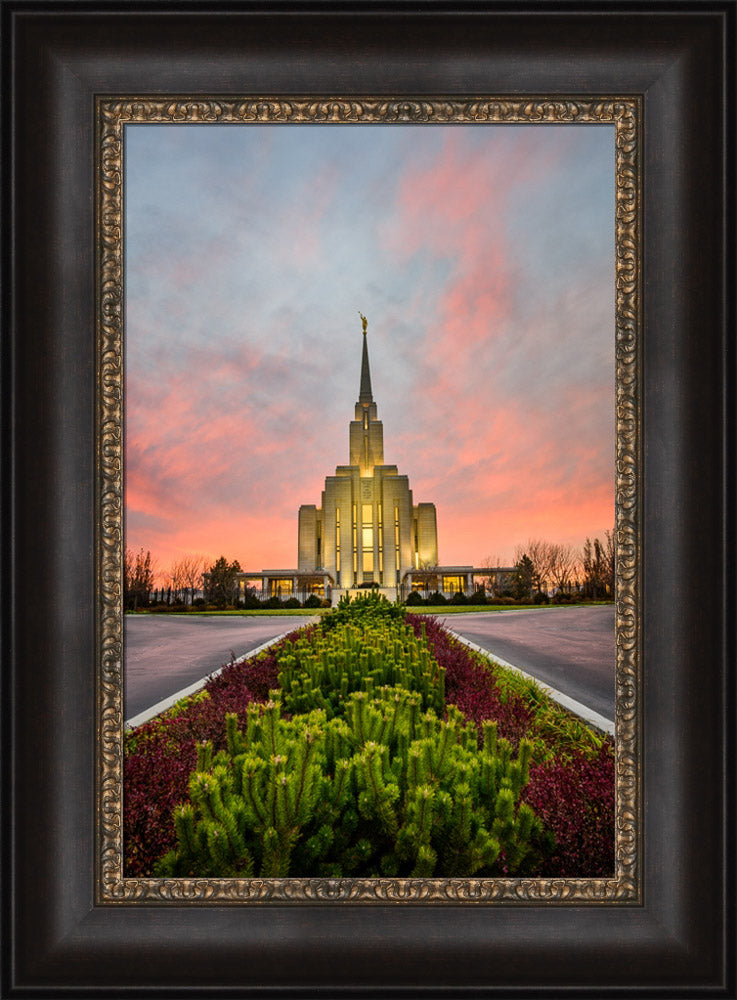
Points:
[(414, 203), (384, 85)]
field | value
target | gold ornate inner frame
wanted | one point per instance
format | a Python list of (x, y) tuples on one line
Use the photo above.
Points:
[(112, 114)]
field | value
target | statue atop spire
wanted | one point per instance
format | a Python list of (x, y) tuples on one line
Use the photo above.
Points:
[(365, 395)]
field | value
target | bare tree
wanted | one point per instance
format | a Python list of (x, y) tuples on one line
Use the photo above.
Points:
[(599, 563), (138, 578), (540, 554), (494, 582), (191, 568), (177, 582), (564, 562)]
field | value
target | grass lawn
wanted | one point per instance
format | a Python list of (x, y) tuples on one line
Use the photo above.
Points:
[(238, 612), (435, 609)]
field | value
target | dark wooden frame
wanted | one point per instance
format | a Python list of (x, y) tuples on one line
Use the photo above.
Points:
[(680, 942)]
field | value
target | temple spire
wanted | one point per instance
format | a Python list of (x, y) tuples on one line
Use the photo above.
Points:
[(365, 395)]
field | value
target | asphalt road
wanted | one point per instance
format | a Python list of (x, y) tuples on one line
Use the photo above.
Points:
[(570, 649), (164, 653)]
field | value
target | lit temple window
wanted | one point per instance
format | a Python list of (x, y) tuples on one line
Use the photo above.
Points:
[(337, 540), (355, 541), (381, 546)]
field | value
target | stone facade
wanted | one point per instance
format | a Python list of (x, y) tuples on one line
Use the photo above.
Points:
[(367, 528), (367, 531)]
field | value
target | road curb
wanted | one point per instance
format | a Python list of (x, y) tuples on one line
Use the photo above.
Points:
[(588, 715), (161, 706)]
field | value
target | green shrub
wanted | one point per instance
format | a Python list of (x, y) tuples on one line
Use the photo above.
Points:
[(313, 601), (369, 607), (321, 671), (415, 599), (371, 775), (561, 597), (385, 789), (437, 598)]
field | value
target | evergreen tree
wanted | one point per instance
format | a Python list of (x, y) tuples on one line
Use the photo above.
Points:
[(220, 582), (523, 578)]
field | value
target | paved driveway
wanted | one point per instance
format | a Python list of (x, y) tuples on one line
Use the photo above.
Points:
[(165, 653), (570, 649)]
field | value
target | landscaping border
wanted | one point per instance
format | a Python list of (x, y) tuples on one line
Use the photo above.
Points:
[(589, 716)]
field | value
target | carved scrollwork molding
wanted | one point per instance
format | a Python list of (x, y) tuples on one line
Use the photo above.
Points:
[(112, 114)]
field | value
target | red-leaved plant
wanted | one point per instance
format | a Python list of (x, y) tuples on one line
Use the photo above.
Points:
[(575, 800), (574, 797), (156, 770)]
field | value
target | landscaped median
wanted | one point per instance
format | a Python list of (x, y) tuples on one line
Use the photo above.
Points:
[(372, 744)]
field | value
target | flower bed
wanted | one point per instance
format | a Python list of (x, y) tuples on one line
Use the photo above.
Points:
[(570, 787), (572, 779)]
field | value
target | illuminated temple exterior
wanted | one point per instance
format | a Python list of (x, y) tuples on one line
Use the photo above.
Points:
[(367, 528), (367, 531)]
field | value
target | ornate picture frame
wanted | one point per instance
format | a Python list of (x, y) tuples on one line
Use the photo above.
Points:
[(673, 934), (113, 114)]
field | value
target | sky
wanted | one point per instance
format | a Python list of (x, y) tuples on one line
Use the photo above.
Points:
[(483, 259)]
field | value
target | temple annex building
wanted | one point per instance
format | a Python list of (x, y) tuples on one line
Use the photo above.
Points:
[(367, 531)]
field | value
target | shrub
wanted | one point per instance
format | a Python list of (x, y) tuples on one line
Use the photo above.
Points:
[(415, 599), (313, 601), (560, 597), (383, 790), (437, 598), (320, 670), (459, 598), (369, 607), (160, 755), (575, 800), (292, 602), (571, 783), (469, 683)]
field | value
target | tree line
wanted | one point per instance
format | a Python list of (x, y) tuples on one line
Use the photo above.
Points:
[(542, 570), (545, 569), (189, 581)]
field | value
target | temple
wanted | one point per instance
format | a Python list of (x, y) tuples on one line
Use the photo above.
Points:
[(367, 531)]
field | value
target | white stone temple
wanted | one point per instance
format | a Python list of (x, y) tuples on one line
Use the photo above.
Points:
[(367, 531)]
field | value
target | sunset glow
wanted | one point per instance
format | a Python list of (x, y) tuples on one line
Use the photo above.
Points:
[(483, 258)]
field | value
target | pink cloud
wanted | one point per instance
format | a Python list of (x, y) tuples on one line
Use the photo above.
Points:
[(222, 450)]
